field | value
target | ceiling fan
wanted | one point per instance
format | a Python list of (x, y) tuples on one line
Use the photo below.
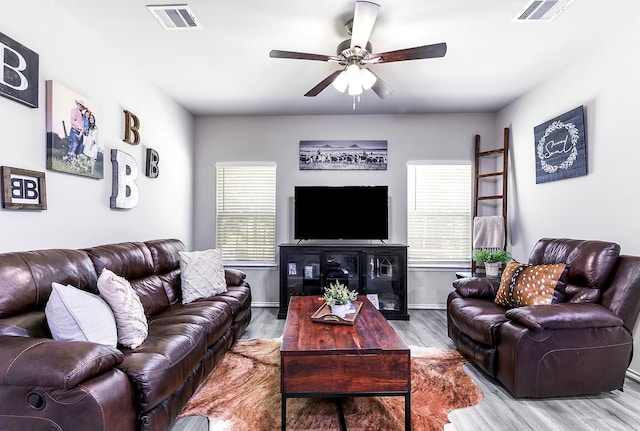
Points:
[(355, 54)]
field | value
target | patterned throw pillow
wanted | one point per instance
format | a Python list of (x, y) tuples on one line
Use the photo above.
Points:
[(131, 321), (523, 285), (201, 274)]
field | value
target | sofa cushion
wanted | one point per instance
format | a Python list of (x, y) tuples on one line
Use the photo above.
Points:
[(238, 298), (213, 317), (165, 361), (523, 285), (76, 315), (564, 316), (202, 274), (126, 306), (479, 319)]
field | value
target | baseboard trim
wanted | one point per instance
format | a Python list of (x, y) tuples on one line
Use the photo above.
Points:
[(265, 304), (427, 307), (633, 375)]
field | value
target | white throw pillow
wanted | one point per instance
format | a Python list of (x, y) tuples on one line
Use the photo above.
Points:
[(76, 315), (126, 306), (201, 274)]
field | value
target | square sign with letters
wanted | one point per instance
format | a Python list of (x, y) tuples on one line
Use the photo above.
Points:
[(19, 78)]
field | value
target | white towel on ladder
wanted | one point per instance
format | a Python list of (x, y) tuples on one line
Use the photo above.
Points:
[(488, 232)]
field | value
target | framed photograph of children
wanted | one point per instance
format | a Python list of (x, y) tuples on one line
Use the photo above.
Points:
[(73, 125), (561, 147), (23, 189)]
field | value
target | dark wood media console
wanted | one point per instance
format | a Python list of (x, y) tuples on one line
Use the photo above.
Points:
[(378, 270)]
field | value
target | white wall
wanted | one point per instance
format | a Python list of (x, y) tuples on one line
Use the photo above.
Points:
[(276, 138), (601, 205), (78, 211)]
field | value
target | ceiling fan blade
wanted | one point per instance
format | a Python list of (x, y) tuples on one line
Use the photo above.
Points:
[(274, 53), (417, 53), (364, 17), (323, 84), (381, 88)]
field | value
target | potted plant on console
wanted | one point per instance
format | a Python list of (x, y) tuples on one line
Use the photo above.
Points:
[(492, 260), (338, 297)]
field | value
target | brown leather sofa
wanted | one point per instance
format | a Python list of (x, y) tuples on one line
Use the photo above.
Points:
[(582, 345), (77, 385)]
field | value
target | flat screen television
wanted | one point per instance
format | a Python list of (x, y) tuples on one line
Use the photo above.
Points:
[(341, 212)]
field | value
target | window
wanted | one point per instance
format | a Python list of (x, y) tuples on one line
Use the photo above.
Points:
[(246, 213), (439, 213)]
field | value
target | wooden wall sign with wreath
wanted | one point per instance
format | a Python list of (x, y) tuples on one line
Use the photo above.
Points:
[(561, 147)]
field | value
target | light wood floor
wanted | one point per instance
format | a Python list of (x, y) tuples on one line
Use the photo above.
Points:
[(498, 411)]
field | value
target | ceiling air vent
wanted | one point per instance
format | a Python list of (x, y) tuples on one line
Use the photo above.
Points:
[(542, 10), (174, 16)]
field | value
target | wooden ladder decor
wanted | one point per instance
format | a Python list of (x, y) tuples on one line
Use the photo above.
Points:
[(478, 177)]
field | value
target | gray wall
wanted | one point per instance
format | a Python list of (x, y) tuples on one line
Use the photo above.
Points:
[(78, 211), (601, 205), (276, 138)]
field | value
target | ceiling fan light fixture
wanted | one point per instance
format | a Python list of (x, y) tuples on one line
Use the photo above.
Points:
[(355, 89), (353, 75), (367, 79), (341, 82)]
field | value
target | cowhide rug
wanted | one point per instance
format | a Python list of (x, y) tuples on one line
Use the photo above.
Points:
[(243, 393)]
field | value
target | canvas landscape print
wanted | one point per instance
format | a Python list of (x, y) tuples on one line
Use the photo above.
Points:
[(357, 155), (73, 123)]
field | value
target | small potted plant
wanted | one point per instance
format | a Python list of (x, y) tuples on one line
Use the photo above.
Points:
[(492, 260), (338, 297)]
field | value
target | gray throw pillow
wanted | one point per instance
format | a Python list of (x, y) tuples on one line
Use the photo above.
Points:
[(76, 315)]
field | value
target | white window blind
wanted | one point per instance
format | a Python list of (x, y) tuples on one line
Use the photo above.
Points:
[(246, 213), (439, 213)]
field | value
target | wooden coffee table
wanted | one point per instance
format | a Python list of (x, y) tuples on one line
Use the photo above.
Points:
[(321, 360)]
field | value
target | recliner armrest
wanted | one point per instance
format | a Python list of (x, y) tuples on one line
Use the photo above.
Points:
[(28, 361), (564, 316), (234, 277), (477, 287)]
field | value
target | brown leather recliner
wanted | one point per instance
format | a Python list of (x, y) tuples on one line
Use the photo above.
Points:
[(582, 345)]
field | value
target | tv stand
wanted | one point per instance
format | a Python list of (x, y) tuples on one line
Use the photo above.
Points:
[(377, 270)]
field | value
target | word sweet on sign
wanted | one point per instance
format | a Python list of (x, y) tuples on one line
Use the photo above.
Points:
[(561, 148), (23, 189)]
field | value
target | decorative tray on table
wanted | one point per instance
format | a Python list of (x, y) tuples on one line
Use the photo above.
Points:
[(323, 314)]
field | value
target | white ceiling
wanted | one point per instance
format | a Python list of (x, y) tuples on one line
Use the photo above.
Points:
[(225, 69)]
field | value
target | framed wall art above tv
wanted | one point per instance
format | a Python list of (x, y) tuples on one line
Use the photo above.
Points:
[(343, 155)]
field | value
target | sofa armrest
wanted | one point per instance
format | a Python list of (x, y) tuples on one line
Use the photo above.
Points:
[(60, 364), (564, 316), (234, 277), (477, 287)]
